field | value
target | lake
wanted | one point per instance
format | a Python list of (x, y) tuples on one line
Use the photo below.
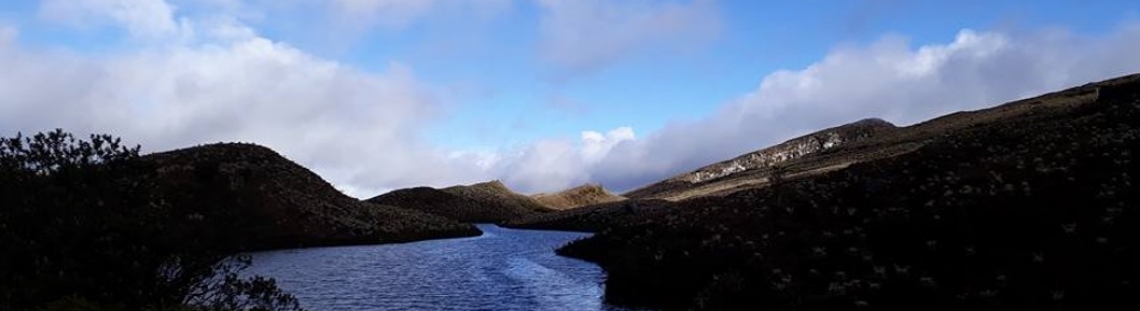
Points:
[(504, 269)]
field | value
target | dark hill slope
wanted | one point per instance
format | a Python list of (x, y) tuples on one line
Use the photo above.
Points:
[(588, 194), (836, 148), (596, 217), (280, 204), (1026, 206)]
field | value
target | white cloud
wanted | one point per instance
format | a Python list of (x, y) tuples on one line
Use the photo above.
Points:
[(358, 129), (142, 18), (544, 165), (208, 78), (555, 164), (888, 79), (583, 35), (596, 146)]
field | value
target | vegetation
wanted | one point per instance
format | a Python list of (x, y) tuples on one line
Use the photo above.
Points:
[(1030, 207), (81, 230), (595, 218)]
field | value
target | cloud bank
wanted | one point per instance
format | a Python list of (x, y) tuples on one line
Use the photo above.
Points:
[(217, 80), (188, 80), (888, 79)]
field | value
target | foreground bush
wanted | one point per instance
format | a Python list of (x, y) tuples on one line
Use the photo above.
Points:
[(81, 230)]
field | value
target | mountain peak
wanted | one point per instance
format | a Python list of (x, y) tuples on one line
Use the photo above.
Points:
[(874, 122), (493, 184), (584, 186), (229, 150)]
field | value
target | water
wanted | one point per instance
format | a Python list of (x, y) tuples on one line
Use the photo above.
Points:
[(504, 269)]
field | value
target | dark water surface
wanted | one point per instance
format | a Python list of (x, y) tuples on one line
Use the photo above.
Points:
[(504, 269)]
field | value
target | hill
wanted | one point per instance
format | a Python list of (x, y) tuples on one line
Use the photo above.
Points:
[(1025, 206), (479, 203), (448, 205), (588, 194), (495, 193), (280, 204)]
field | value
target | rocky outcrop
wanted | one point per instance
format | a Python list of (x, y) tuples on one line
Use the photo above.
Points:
[(279, 204), (588, 194), (790, 150), (758, 167)]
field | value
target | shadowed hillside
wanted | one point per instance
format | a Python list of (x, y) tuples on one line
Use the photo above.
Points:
[(282, 204), (588, 194), (1025, 206)]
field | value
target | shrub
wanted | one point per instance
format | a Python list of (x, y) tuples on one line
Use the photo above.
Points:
[(82, 228)]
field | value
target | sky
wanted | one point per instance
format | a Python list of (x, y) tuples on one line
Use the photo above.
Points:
[(376, 95)]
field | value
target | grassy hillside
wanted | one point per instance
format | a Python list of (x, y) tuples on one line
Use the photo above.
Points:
[(1026, 206)]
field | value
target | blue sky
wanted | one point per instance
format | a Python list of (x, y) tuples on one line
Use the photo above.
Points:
[(525, 100), (543, 94)]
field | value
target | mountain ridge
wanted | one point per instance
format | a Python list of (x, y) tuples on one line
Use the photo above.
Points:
[(882, 144)]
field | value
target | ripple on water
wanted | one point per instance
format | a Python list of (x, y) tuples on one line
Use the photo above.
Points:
[(504, 269)]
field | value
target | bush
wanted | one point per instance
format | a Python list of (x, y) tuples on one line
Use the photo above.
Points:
[(82, 227)]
